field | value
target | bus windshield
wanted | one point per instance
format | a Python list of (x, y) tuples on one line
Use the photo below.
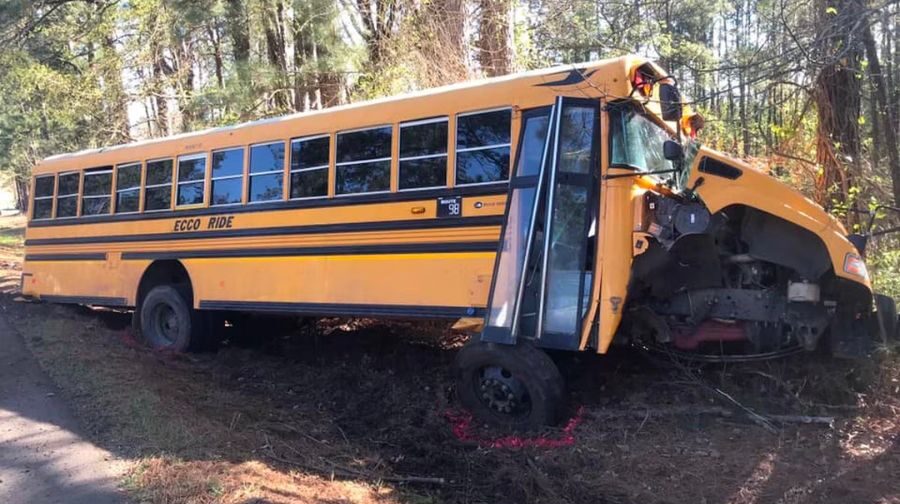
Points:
[(637, 141)]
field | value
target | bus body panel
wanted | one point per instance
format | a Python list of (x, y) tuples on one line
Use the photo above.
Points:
[(615, 253), (442, 281), (106, 281)]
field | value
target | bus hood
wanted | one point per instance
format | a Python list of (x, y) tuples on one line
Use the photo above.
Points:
[(728, 181)]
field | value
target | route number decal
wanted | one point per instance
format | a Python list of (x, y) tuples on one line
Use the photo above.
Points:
[(449, 207)]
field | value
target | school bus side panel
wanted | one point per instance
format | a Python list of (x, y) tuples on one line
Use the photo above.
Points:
[(426, 280), (109, 278)]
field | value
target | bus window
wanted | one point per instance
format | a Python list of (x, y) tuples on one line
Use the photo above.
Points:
[(97, 191), (67, 194), (267, 172), (158, 188), (227, 177), (309, 166), (43, 197), (423, 154), (363, 161), (128, 188), (191, 180), (482, 147)]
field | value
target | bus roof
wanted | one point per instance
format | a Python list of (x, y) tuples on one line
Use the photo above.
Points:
[(604, 77)]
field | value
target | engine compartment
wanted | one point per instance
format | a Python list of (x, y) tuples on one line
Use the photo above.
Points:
[(736, 282)]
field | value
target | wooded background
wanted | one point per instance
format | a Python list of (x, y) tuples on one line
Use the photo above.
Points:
[(808, 89)]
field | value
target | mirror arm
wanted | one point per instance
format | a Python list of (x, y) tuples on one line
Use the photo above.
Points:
[(636, 174)]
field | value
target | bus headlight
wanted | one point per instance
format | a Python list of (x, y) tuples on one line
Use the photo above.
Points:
[(854, 265)]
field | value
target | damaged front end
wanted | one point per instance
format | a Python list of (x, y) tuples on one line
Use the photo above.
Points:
[(740, 266)]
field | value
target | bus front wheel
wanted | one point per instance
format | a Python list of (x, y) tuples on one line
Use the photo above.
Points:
[(168, 322), (515, 387)]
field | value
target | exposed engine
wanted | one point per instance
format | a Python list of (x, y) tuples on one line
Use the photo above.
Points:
[(739, 282)]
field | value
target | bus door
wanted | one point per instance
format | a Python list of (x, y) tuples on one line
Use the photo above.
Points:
[(544, 268)]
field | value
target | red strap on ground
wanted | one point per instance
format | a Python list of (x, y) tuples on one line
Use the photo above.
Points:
[(461, 426)]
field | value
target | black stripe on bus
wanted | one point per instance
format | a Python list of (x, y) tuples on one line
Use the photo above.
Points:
[(477, 190), (491, 220), (91, 256), (86, 300), (400, 248), (346, 310)]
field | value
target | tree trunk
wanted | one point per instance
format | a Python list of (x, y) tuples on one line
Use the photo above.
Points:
[(185, 70), (837, 95), (239, 32), (304, 58), (495, 38), (884, 106), (20, 184), (158, 72), (216, 41), (275, 51), (440, 32), (115, 93)]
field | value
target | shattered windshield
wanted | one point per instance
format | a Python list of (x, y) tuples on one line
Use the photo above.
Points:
[(636, 141)]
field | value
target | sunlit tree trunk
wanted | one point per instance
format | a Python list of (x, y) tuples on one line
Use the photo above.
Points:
[(837, 93), (495, 37)]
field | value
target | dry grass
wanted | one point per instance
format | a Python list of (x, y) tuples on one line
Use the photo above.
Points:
[(167, 479)]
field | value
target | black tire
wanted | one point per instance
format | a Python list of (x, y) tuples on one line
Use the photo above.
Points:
[(168, 322), (511, 387), (887, 316)]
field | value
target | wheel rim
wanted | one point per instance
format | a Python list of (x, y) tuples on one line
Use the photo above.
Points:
[(165, 323), (502, 393)]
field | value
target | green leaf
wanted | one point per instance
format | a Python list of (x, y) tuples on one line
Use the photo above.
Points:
[(831, 10)]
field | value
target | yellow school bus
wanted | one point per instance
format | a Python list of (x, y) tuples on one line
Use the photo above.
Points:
[(552, 209)]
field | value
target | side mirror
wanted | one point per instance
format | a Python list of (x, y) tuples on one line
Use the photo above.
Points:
[(670, 102), (672, 150)]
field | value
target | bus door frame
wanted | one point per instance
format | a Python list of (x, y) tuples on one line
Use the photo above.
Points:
[(545, 188)]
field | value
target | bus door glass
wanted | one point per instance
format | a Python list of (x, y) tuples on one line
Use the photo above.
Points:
[(570, 220), (540, 286), (506, 289)]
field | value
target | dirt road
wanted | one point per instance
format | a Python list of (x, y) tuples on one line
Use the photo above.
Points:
[(43, 458)]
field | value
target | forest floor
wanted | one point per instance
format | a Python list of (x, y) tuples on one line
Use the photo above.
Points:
[(362, 411)]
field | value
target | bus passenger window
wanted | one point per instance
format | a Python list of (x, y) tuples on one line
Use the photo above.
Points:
[(363, 161), (128, 188), (97, 191), (227, 177), (43, 197), (158, 191), (267, 172), (423, 154), (309, 166), (482, 147), (191, 179), (67, 194)]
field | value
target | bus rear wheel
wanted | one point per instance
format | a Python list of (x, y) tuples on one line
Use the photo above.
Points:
[(168, 322), (514, 387)]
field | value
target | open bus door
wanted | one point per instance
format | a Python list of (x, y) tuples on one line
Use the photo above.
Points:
[(544, 271)]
